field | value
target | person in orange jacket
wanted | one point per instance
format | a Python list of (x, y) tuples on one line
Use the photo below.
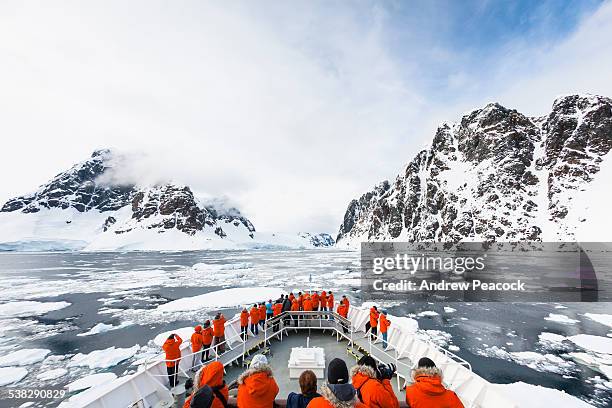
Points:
[(373, 388), (207, 339), (254, 316), (428, 390), (295, 307), (384, 324), (262, 315), (196, 347), (374, 322), (323, 301), (345, 300), (172, 347), (244, 323), (307, 304), (330, 303), (315, 301), (211, 375), (277, 309), (219, 333), (338, 392), (343, 311), (256, 386), (291, 297)]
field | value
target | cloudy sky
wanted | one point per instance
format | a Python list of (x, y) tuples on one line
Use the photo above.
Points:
[(288, 109)]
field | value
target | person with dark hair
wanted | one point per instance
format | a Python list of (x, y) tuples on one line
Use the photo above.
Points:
[(323, 301), (254, 318), (262, 315), (384, 324), (172, 347), (210, 376), (207, 339), (428, 390), (373, 322), (244, 323), (330, 304), (338, 392), (308, 388), (373, 383), (219, 333)]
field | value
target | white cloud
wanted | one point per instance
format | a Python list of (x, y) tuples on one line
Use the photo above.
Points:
[(291, 110)]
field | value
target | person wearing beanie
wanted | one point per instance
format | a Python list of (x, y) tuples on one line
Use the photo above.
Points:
[(210, 376), (262, 315), (207, 338), (256, 386), (254, 318), (371, 388), (338, 392), (428, 390), (203, 398), (172, 348), (196, 347)]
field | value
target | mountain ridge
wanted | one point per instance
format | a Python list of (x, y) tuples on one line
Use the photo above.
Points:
[(494, 175)]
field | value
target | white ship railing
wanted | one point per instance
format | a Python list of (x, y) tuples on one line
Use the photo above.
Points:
[(404, 349)]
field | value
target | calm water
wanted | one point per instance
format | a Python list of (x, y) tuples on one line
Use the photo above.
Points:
[(125, 289)]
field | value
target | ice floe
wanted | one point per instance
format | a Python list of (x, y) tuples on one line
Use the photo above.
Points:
[(89, 381), (224, 298), (539, 362), (103, 358), (528, 395), (605, 319), (10, 375), (559, 318), (427, 313), (24, 357), (183, 332), (448, 309), (597, 344), (102, 328), (52, 374), (29, 308)]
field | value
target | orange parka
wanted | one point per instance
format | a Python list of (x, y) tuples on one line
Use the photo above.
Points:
[(244, 318), (384, 323), (196, 339), (342, 310), (374, 393), (257, 388), (295, 306), (323, 299), (254, 315), (172, 347), (277, 308), (211, 375), (262, 313), (315, 301), (373, 317), (219, 326), (330, 301), (428, 391), (308, 304), (329, 400), (207, 336)]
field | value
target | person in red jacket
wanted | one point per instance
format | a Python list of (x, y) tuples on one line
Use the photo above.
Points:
[(244, 323), (207, 339), (343, 311), (256, 386), (345, 301), (428, 390), (211, 375), (172, 347), (330, 303), (295, 307), (315, 301), (374, 322), (307, 305), (196, 347), (219, 333), (262, 315), (383, 324), (323, 301), (254, 316), (291, 297), (277, 309), (338, 392), (373, 389)]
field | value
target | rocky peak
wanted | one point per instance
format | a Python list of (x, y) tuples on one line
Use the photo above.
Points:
[(495, 175)]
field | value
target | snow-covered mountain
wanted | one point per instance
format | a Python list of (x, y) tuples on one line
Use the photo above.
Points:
[(498, 175), (83, 208)]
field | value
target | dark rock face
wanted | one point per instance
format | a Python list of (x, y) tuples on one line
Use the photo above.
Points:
[(318, 240), (77, 188), (482, 178), (160, 207)]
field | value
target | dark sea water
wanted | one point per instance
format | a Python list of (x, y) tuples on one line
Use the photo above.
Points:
[(126, 288)]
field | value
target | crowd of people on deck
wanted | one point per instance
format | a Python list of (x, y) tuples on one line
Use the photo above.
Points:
[(368, 384)]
